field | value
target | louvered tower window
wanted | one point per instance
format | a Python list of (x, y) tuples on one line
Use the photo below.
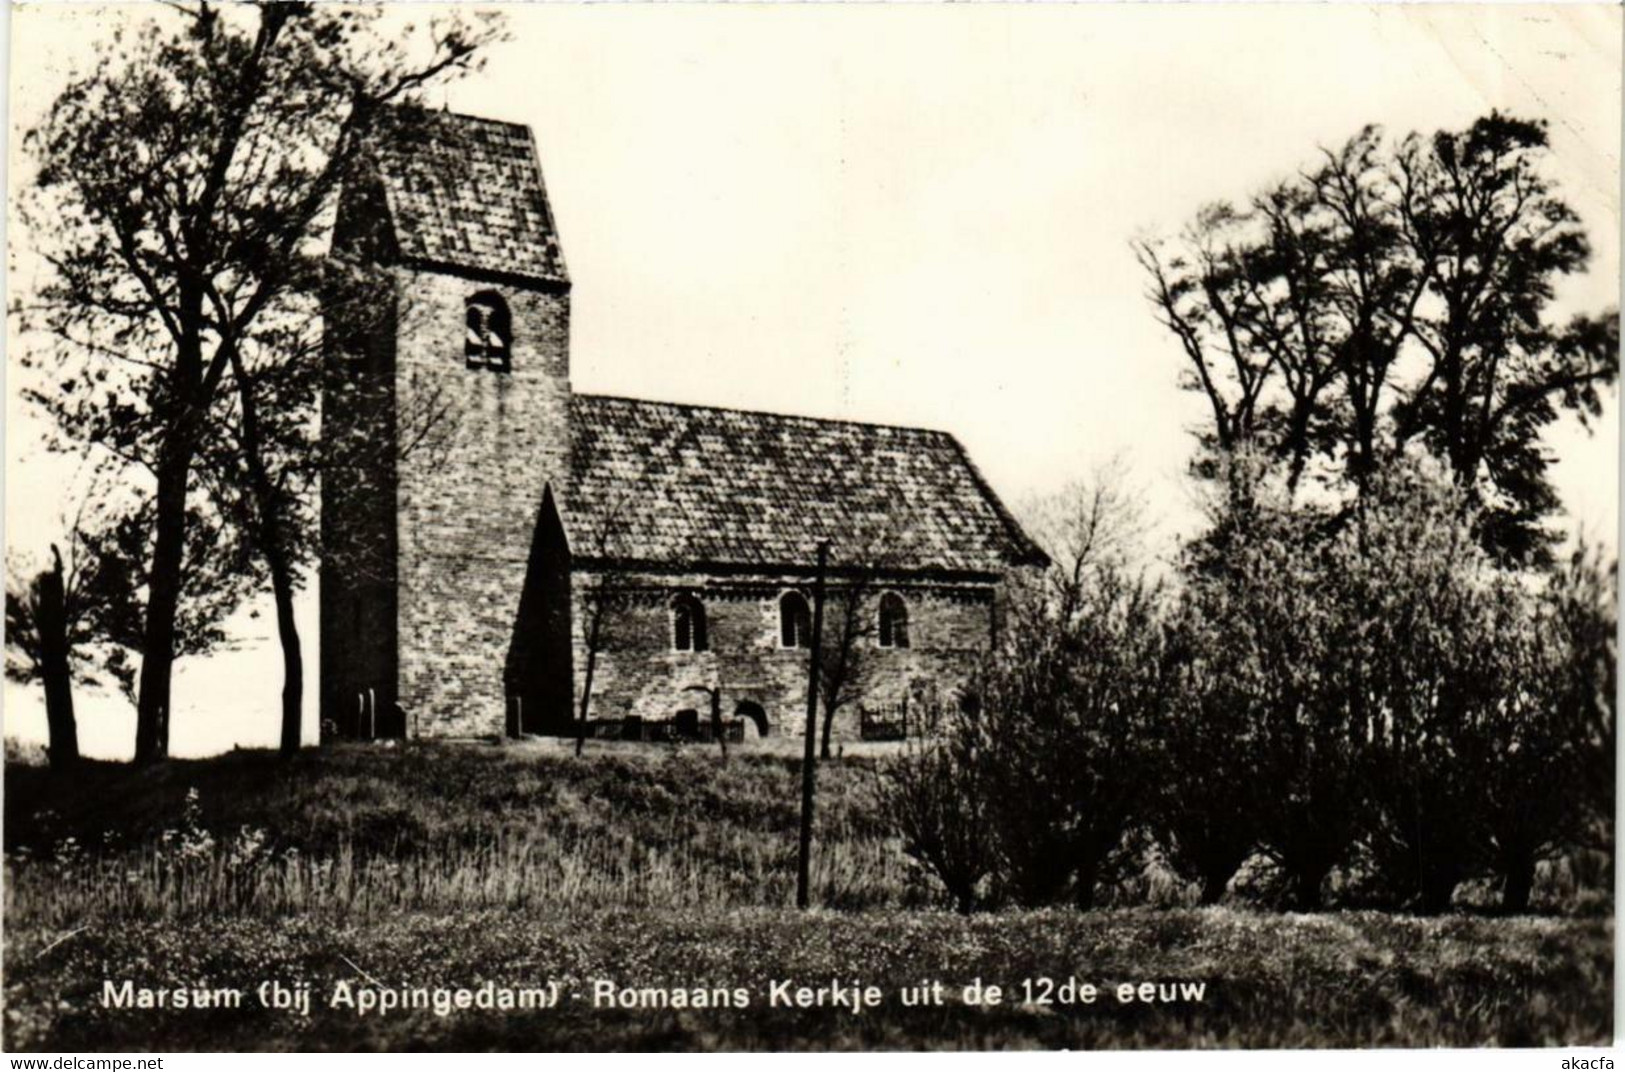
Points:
[(489, 341)]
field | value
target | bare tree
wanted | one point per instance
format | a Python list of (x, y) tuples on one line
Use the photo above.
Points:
[(606, 602), (1084, 526), (846, 666)]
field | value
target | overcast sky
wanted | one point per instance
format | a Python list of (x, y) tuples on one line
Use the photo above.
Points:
[(922, 215)]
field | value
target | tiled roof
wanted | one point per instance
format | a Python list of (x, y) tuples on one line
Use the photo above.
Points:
[(465, 192), (675, 485)]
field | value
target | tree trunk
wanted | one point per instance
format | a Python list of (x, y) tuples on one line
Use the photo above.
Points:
[(1306, 883), (268, 507), (1298, 445), (52, 621), (829, 723), (163, 602), (1213, 887), (1519, 882), (1437, 891), (293, 661), (717, 729)]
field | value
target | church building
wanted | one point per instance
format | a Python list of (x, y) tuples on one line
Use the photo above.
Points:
[(495, 545)]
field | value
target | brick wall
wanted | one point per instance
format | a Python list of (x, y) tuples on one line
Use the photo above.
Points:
[(638, 673), (467, 504), (357, 596)]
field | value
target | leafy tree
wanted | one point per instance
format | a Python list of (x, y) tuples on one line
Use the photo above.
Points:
[(183, 189), (80, 618), (1483, 224), (1274, 619), (1375, 689), (264, 460), (1393, 296), (1338, 669), (1066, 726), (1418, 666), (1207, 804), (1548, 787)]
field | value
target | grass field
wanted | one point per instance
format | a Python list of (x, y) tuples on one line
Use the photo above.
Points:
[(453, 867)]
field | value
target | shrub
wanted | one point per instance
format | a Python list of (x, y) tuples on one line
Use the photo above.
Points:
[(1042, 777), (936, 799)]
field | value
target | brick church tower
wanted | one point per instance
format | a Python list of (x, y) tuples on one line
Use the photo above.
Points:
[(455, 452), (446, 416)]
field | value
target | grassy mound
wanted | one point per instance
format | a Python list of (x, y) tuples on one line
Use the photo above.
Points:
[(439, 828), (660, 867)]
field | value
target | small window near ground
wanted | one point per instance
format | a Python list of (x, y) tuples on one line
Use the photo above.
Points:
[(893, 621)]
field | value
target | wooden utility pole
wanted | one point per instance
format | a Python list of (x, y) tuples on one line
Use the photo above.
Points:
[(808, 764)]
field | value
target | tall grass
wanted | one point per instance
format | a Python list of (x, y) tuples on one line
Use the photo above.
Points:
[(504, 871), (437, 829)]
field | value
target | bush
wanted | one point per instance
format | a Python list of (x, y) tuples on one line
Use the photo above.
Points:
[(935, 797), (1041, 780), (1362, 690)]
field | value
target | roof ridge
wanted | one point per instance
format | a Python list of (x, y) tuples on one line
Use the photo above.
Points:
[(767, 413), (446, 113), (774, 480)]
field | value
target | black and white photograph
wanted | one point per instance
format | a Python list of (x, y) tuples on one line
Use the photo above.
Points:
[(810, 527)]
